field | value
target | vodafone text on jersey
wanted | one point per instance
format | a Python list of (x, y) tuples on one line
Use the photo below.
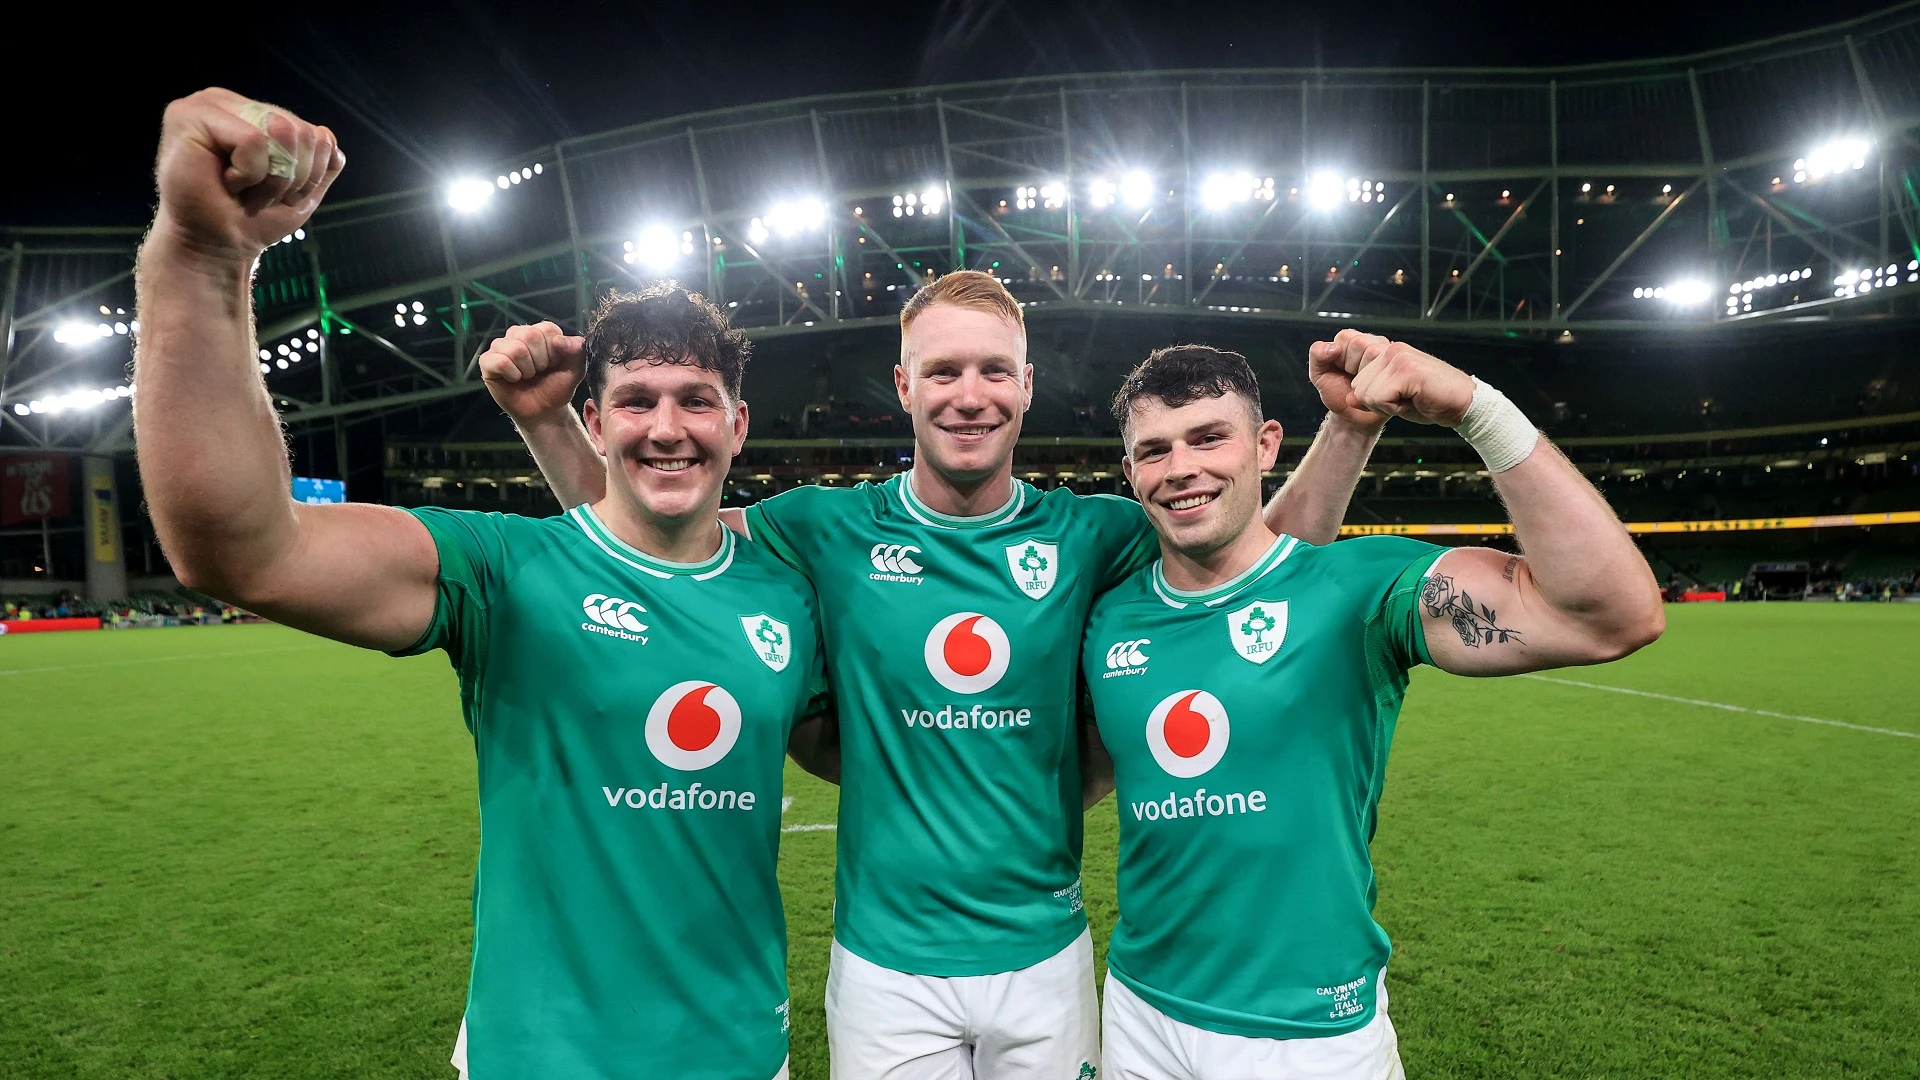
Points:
[(967, 653), (691, 726), (1188, 733)]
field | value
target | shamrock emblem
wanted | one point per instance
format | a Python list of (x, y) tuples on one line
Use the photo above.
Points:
[(1032, 561)]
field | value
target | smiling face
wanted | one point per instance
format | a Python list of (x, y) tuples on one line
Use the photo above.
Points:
[(1196, 468), (964, 377), (669, 433)]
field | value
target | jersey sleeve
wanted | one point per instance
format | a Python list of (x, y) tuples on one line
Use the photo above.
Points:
[(1397, 566), (472, 551), (1129, 535), (783, 524)]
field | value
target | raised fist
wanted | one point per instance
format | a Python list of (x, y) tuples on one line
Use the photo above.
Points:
[(235, 174), (533, 371), (1389, 378)]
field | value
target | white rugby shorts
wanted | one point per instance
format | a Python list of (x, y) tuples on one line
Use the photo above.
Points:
[(1143, 1043), (1037, 1023), (459, 1058)]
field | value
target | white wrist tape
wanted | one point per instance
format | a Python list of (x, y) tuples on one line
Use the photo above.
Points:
[(1496, 429)]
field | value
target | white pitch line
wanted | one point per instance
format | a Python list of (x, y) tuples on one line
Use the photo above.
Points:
[(786, 804), (1729, 708), (157, 660), (809, 828)]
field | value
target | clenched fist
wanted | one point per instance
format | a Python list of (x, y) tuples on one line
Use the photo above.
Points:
[(533, 371), (1389, 378), (235, 174)]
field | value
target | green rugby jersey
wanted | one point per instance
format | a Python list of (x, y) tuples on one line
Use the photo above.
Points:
[(630, 717), (952, 648), (1249, 728)]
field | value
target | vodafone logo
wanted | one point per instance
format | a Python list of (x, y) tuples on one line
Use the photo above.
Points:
[(1188, 732), (693, 725), (967, 652)]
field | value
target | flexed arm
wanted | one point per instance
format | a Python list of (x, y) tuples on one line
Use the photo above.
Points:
[(235, 175), (1582, 594)]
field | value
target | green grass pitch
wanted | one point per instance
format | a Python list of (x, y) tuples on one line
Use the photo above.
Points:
[(244, 852)]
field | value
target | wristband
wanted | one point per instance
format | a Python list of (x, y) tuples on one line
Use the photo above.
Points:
[(1496, 429)]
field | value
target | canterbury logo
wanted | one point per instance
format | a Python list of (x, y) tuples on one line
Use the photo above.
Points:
[(613, 612), (1127, 654), (895, 559)]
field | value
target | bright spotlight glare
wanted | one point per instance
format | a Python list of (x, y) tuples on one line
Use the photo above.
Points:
[(1833, 157), (1688, 293), (80, 335), (1325, 190), (656, 248), (788, 218), (1221, 190), (1136, 188), (469, 195), (1102, 193)]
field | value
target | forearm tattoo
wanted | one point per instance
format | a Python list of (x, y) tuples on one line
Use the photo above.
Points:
[(1477, 625)]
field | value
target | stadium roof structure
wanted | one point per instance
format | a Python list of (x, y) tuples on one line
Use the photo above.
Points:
[(1767, 185)]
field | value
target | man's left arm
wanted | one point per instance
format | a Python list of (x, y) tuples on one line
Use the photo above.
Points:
[(1582, 594)]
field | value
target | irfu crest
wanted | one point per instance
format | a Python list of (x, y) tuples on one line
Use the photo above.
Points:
[(1034, 566), (1258, 629), (769, 638)]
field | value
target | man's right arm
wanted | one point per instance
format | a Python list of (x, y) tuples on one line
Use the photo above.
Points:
[(212, 460), (532, 374)]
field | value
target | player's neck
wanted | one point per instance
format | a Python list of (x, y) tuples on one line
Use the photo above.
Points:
[(1201, 571), (962, 498), (690, 539)]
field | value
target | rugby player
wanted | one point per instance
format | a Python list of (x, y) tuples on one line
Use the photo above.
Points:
[(954, 598), (629, 671), (1246, 686)]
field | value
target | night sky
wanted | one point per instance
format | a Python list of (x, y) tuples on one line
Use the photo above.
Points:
[(437, 85)]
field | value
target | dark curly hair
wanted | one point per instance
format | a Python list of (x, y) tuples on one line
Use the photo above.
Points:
[(1182, 374), (664, 324)]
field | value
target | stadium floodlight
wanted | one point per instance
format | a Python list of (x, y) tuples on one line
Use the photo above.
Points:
[(1832, 158), (1359, 190), (1325, 190), (75, 400), (1136, 188), (794, 216), (924, 203), (1688, 293), (469, 195), (79, 335), (656, 248), (1102, 192), (1221, 190), (757, 231)]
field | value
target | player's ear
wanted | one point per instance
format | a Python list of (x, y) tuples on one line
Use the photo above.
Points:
[(1269, 435), (1026, 379), (739, 428), (590, 413), (902, 385)]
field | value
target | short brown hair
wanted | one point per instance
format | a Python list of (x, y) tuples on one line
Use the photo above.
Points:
[(1182, 374), (969, 289), (664, 324)]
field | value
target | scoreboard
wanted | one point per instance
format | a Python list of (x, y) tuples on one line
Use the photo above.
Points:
[(307, 489)]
